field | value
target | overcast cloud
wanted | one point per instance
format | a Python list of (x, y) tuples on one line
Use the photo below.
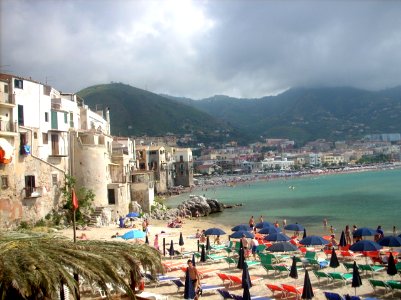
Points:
[(198, 49)]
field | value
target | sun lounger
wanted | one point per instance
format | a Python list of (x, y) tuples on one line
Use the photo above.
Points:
[(230, 261), (394, 285), (282, 268), (316, 263), (320, 274), (333, 296), (349, 254), (150, 296), (173, 266), (160, 278), (379, 284), (237, 280), (203, 272), (344, 277), (224, 277), (349, 266), (225, 294), (238, 297), (368, 268), (278, 258), (205, 287), (292, 289), (214, 257), (275, 288), (218, 247), (268, 268)]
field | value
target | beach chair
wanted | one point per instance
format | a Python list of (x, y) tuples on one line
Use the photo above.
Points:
[(214, 257), (238, 297), (292, 289), (278, 258), (225, 294), (310, 255), (317, 263), (394, 285), (379, 284), (349, 266), (231, 261), (265, 259), (206, 288), (252, 263), (228, 250), (275, 288), (224, 277), (320, 274), (333, 296), (260, 248), (269, 268), (348, 254), (178, 283), (282, 269), (368, 268), (344, 277), (237, 280)]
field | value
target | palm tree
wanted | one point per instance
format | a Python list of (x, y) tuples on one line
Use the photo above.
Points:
[(36, 266)]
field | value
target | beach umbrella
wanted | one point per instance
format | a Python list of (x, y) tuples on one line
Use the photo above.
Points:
[(282, 247), (391, 268), (364, 231), (241, 257), (133, 234), (203, 254), (307, 292), (147, 240), (313, 240), (390, 241), (246, 282), (239, 234), (333, 259), (294, 227), (356, 278), (132, 215), (181, 240), (208, 244), (294, 270), (193, 260), (276, 237), (343, 241), (365, 245), (189, 290), (171, 249), (304, 236), (214, 231), (263, 225), (269, 230), (399, 235), (242, 227)]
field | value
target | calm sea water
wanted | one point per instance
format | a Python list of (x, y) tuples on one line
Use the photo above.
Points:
[(366, 199)]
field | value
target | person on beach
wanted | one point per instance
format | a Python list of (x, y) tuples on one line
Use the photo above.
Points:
[(276, 224), (156, 242), (284, 222), (348, 235), (195, 278), (261, 219), (354, 238), (331, 229), (325, 223), (254, 245), (217, 240), (333, 241), (251, 222), (394, 231), (197, 234), (202, 238), (245, 242), (379, 233)]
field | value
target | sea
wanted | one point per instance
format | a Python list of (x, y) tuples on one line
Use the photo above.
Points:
[(364, 199)]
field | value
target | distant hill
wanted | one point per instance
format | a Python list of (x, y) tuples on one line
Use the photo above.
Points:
[(138, 112), (305, 114)]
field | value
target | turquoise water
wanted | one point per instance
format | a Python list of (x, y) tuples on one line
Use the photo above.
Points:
[(366, 199)]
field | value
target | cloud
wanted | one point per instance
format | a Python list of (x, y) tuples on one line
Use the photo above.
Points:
[(201, 48)]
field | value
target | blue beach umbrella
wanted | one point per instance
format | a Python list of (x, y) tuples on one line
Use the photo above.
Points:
[(365, 245), (239, 234), (242, 227), (282, 247), (189, 290), (263, 224), (294, 227), (214, 231), (269, 230), (133, 234), (276, 237), (364, 231), (313, 240), (132, 215), (390, 241)]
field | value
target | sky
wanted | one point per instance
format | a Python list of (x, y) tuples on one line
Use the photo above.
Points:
[(197, 49)]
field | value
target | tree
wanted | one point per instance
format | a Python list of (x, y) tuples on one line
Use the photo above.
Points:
[(35, 266)]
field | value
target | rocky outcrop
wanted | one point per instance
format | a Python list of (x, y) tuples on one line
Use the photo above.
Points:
[(200, 205)]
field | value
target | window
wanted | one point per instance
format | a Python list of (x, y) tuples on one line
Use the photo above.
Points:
[(20, 114), (71, 119), (54, 179), (4, 181), (111, 196), (6, 88), (29, 185), (181, 158), (45, 138), (46, 117), (35, 135), (18, 83), (65, 118)]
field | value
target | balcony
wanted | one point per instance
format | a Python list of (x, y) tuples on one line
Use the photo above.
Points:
[(7, 100), (8, 128)]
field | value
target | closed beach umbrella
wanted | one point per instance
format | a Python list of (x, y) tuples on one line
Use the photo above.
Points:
[(246, 282), (242, 227), (313, 240), (208, 244), (239, 234), (307, 292), (390, 241), (189, 290), (343, 241), (269, 230), (214, 231), (365, 245), (356, 277), (333, 259), (294, 227), (391, 268), (304, 236), (203, 254), (282, 247), (294, 270), (263, 225), (181, 240), (193, 260), (277, 237), (147, 240), (171, 249), (364, 231), (241, 258)]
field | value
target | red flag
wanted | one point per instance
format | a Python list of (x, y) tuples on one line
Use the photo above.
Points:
[(74, 200)]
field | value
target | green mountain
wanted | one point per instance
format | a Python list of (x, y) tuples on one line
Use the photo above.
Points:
[(138, 112), (305, 114)]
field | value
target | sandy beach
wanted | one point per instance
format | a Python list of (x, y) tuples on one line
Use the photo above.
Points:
[(189, 229)]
